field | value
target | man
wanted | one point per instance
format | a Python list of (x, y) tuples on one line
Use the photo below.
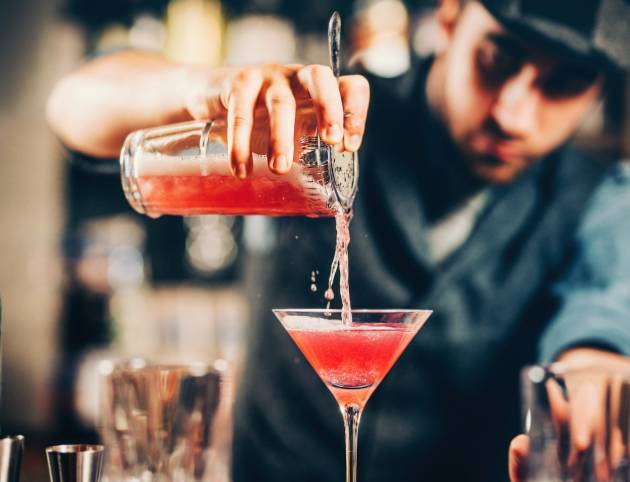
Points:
[(469, 203)]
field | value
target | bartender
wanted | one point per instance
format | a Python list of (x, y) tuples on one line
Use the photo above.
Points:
[(470, 203)]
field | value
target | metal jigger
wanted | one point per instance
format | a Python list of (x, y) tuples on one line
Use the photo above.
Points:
[(11, 449), (75, 463)]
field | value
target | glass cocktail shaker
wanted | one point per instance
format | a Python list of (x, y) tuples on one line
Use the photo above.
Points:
[(183, 169)]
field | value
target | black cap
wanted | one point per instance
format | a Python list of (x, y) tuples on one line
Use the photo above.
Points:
[(594, 30)]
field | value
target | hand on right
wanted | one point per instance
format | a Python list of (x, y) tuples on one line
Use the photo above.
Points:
[(587, 406)]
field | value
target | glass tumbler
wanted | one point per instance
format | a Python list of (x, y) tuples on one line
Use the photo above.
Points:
[(163, 423), (577, 420), (183, 169)]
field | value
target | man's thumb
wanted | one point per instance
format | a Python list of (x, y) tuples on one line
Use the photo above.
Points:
[(517, 463)]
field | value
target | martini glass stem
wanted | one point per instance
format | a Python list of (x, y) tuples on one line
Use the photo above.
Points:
[(351, 418)]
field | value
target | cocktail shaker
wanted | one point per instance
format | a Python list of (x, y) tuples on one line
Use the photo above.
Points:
[(184, 169)]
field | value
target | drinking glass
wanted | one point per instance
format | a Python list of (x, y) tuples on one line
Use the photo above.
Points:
[(75, 463), (577, 420), (352, 358), (162, 423)]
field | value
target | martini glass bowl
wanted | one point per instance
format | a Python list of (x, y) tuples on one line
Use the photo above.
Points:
[(352, 358)]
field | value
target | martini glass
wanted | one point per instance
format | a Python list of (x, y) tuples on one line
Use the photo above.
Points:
[(352, 359)]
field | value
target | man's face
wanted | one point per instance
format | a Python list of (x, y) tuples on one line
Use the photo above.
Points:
[(506, 104)]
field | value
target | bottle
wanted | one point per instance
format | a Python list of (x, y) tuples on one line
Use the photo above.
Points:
[(183, 169)]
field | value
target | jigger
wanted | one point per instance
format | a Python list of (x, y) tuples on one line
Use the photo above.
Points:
[(75, 463), (11, 449)]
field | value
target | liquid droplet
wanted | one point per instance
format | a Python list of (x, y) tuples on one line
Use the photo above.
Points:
[(313, 287), (329, 294)]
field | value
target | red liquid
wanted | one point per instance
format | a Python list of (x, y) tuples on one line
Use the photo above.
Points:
[(340, 260), (352, 361), (225, 194)]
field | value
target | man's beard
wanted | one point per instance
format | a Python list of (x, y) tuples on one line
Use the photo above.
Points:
[(493, 169)]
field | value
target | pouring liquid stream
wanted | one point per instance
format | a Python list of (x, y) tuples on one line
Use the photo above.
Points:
[(340, 262), (343, 213)]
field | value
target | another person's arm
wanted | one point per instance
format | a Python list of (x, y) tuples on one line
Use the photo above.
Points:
[(93, 109), (594, 297)]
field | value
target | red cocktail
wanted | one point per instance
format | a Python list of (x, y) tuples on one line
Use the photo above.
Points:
[(226, 194), (352, 358), (352, 361)]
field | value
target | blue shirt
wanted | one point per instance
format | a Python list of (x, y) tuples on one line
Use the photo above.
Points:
[(594, 296)]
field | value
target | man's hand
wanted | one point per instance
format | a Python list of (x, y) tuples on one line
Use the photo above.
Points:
[(341, 107), (517, 459), (93, 109), (586, 412)]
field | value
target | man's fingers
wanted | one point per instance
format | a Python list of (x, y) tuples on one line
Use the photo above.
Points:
[(355, 95), (591, 403), (620, 420), (517, 462), (323, 89), (587, 399), (281, 109), (241, 105), (279, 87), (558, 404), (560, 417)]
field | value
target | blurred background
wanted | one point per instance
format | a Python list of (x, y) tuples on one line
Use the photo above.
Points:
[(82, 277)]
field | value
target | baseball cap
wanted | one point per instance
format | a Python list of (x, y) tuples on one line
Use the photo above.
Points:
[(592, 30)]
